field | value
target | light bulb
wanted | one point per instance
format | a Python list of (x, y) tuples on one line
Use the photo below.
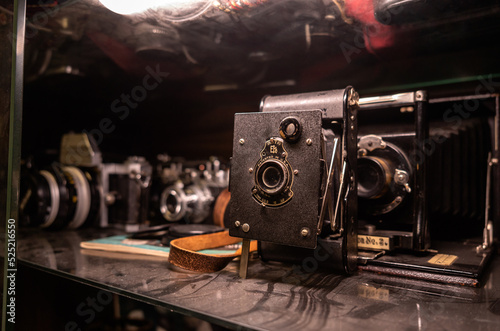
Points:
[(127, 7)]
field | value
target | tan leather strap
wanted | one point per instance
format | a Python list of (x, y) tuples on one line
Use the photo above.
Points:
[(183, 251), (220, 207)]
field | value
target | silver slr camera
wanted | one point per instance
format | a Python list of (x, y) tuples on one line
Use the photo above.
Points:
[(185, 191), (81, 190)]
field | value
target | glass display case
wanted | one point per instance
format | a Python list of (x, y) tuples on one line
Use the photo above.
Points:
[(154, 86)]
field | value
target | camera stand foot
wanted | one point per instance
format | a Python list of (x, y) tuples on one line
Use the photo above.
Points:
[(245, 252)]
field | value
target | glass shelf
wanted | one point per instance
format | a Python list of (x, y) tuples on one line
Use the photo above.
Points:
[(275, 296)]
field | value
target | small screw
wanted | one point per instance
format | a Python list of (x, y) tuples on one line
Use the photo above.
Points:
[(250, 170), (304, 232), (245, 227), (242, 141), (237, 224), (254, 191), (110, 199), (309, 141), (295, 172), (283, 154), (420, 96), (352, 117)]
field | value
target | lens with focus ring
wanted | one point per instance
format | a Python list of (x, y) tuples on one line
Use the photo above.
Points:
[(189, 203), (271, 176), (59, 197), (374, 177), (171, 204)]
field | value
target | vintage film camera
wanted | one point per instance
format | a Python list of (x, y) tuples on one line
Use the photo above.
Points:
[(402, 165), (392, 167), (419, 187), (293, 175), (185, 191), (425, 174), (82, 190)]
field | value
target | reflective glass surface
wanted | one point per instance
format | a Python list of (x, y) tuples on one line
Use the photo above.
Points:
[(275, 296)]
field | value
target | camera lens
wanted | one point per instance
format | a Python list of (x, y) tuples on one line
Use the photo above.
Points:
[(53, 197), (272, 176), (83, 193), (173, 202), (374, 176), (191, 203), (59, 197)]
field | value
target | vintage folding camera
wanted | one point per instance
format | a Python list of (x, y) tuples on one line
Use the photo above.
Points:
[(293, 176), (396, 171), (80, 189), (392, 167), (185, 191), (424, 185)]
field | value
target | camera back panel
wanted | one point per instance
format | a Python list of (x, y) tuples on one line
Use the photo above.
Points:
[(275, 181)]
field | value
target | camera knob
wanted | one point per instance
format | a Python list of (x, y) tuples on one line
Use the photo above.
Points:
[(401, 177), (290, 129)]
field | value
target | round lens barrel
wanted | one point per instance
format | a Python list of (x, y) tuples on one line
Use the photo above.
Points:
[(374, 177)]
